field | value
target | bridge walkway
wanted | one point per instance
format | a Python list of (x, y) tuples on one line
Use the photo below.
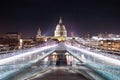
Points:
[(61, 73)]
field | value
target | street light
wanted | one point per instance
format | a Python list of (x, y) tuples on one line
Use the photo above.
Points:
[(21, 43)]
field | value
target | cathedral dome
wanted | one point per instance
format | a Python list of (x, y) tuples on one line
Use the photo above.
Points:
[(60, 29)]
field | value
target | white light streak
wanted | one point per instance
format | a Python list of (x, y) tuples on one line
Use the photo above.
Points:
[(106, 59), (24, 54)]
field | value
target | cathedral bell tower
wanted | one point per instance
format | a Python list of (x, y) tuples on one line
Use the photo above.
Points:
[(38, 34)]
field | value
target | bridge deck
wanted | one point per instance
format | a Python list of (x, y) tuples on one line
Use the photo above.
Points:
[(61, 73)]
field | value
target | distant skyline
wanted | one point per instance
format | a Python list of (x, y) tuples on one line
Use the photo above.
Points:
[(80, 17)]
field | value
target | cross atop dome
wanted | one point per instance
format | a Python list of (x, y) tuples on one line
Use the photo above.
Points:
[(60, 21), (39, 30)]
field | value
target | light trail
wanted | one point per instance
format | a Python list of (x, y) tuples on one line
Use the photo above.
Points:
[(24, 54), (106, 59)]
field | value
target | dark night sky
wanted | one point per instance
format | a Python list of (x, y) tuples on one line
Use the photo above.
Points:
[(79, 16)]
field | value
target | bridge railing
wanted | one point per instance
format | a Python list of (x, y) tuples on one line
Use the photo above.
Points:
[(107, 71), (106, 66), (15, 62), (86, 71), (6, 54), (112, 54)]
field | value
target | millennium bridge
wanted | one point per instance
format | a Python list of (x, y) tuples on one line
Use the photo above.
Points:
[(35, 63)]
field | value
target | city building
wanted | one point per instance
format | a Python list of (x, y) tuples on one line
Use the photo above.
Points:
[(107, 42), (11, 40), (28, 43), (113, 45), (12, 35)]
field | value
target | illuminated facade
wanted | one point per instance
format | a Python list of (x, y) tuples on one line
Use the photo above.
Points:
[(60, 30), (110, 45)]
